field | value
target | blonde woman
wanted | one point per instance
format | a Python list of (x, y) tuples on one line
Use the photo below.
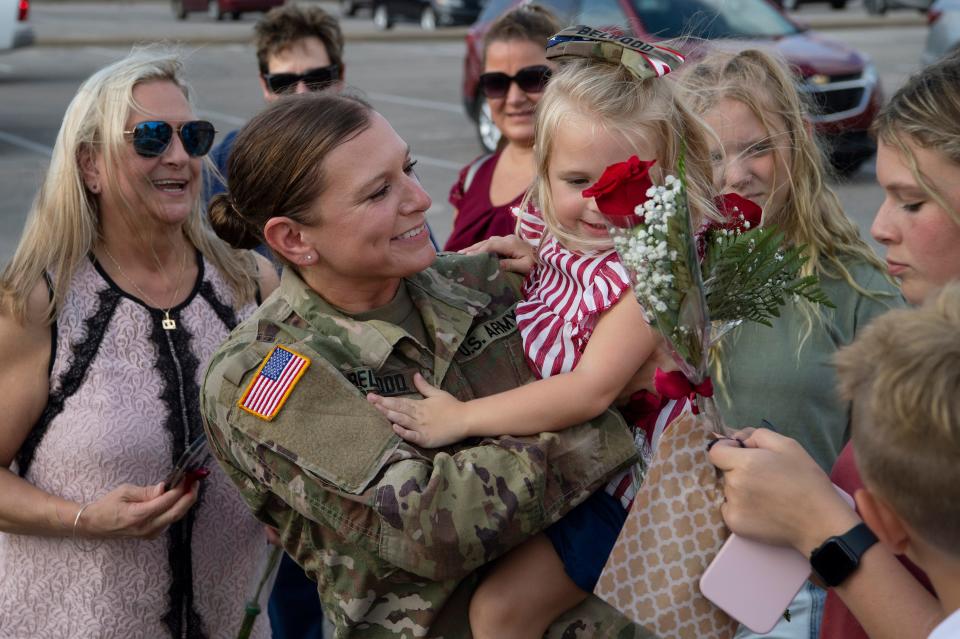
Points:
[(763, 150), (116, 296)]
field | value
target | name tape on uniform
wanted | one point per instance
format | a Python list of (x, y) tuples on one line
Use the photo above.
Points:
[(487, 332), (388, 384)]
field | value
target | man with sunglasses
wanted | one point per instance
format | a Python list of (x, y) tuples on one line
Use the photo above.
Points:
[(299, 49)]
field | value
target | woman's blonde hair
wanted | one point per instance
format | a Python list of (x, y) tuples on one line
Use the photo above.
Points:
[(613, 100), (812, 214), (926, 112), (64, 223)]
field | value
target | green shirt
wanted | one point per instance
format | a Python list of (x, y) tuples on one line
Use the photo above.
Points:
[(765, 374), (393, 533)]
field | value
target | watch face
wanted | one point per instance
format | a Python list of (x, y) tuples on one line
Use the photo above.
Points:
[(833, 562)]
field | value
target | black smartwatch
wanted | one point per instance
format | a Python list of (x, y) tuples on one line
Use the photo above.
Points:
[(836, 558)]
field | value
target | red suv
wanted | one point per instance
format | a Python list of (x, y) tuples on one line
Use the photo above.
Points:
[(842, 84)]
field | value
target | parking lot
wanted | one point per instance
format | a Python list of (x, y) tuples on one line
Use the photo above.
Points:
[(414, 81)]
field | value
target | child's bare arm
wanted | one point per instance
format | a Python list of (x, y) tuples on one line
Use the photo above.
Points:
[(621, 342)]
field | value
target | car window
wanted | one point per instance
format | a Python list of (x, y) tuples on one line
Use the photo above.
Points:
[(711, 18)]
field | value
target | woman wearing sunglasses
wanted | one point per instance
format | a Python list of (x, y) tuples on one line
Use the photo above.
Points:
[(515, 72), (117, 294)]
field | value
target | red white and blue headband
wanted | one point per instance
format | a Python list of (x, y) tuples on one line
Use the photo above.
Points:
[(642, 59)]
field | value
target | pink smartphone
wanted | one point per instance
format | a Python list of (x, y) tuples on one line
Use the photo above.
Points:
[(754, 582)]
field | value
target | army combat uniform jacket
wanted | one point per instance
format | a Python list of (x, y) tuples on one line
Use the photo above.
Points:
[(393, 533)]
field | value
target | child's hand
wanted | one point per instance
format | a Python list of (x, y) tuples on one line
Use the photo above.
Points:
[(515, 255), (431, 422)]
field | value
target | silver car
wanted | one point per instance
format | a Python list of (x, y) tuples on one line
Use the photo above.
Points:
[(944, 33)]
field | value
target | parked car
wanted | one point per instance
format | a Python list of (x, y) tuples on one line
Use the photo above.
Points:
[(429, 13), (943, 36), (791, 5), (880, 7), (841, 83), (15, 29), (218, 9)]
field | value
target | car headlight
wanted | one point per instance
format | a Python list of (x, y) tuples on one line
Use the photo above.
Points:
[(870, 73)]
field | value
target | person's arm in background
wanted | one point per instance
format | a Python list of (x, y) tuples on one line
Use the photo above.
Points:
[(776, 493)]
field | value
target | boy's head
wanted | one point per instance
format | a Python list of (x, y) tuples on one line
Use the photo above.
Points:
[(299, 48), (903, 376)]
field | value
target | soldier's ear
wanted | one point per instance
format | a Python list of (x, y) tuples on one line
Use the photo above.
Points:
[(287, 237)]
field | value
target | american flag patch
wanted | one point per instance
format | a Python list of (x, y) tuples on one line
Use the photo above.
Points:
[(274, 381)]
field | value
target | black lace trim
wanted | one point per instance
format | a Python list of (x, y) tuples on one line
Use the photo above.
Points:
[(83, 355), (224, 311), (177, 366)]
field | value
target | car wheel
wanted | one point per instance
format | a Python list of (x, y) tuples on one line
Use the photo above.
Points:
[(487, 131), (838, 4), (382, 19), (179, 11), (235, 15), (348, 8), (428, 19), (215, 10)]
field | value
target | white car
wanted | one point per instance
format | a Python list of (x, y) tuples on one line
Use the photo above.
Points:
[(15, 29), (943, 37)]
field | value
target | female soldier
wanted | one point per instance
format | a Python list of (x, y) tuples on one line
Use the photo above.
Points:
[(391, 532)]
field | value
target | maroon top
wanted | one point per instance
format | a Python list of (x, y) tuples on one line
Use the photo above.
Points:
[(838, 622), (477, 217)]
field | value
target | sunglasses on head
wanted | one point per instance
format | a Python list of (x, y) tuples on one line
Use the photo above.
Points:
[(529, 79), (315, 79), (151, 139)]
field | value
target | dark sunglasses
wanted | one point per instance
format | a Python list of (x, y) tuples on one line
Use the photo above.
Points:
[(315, 79), (151, 139), (529, 79)]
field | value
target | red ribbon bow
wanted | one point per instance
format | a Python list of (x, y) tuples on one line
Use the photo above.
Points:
[(675, 385)]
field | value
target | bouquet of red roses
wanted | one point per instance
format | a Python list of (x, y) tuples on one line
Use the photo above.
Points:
[(694, 286)]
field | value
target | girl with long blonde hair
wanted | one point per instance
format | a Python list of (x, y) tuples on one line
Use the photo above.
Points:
[(763, 149)]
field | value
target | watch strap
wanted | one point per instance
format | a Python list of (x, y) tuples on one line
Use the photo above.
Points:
[(858, 539)]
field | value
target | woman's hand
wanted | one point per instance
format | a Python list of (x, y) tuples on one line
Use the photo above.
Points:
[(516, 255), (776, 493), (424, 422), (136, 511)]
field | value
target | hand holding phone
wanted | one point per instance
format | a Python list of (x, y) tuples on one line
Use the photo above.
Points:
[(190, 462), (754, 582)]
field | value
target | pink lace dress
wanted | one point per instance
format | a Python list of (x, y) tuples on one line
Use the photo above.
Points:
[(123, 404)]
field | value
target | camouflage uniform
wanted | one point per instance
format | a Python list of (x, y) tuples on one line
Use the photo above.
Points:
[(393, 533)]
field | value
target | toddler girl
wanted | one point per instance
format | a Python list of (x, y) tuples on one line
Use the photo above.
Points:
[(583, 331)]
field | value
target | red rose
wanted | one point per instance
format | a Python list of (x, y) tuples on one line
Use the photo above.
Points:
[(736, 211), (740, 213), (621, 188)]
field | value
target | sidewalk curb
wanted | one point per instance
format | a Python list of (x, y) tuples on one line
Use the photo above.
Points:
[(442, 35)]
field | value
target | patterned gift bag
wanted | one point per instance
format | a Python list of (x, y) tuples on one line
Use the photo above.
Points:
[(671, 535)]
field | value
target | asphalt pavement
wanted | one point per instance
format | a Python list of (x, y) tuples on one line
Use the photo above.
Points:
[(68, 23)]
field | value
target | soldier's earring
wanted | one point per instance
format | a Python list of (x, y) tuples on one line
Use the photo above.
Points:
[(307, 259), (95, 188)]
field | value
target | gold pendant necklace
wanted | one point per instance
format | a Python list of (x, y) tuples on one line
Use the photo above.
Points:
[(168, 323)]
